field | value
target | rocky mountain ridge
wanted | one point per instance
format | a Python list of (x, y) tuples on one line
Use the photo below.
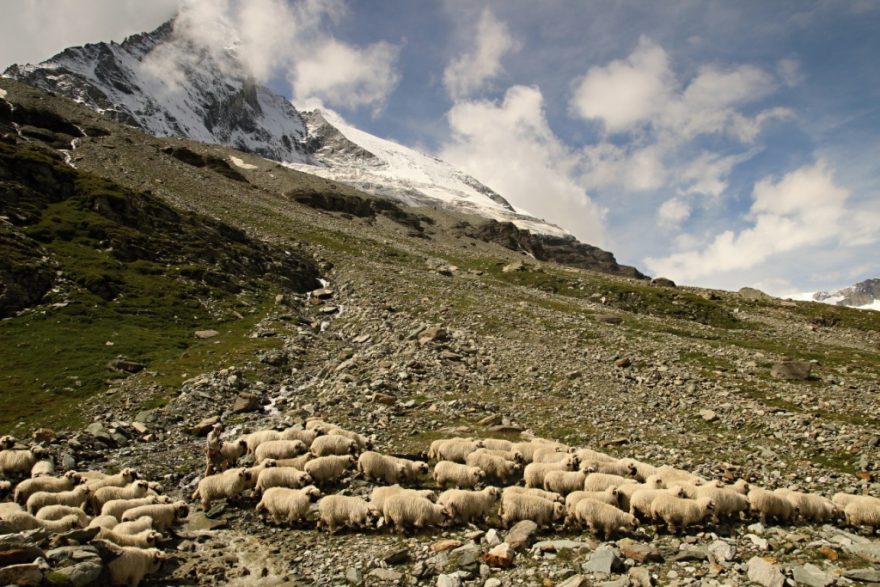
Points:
[(865, 294), (168, 85)]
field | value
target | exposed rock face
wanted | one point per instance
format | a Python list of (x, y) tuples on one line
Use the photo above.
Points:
[(861, 294), (562, 250)]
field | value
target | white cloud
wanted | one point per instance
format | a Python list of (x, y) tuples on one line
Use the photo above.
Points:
[(511, 148), (707, 174), (34, 30), (626, 92), (805, 208), (344, 76), (672, 213), (472, 72), (789, 71), (634, 168)]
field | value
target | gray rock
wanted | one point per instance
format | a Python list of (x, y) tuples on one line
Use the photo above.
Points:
[(690, 553), (354, 576), (521, 534), (445, 580), (722, 551), (870, 552), (575, 581), (466, 557), (389, 575), (203, 334), (557, 545), (792, 370), (639, 551), (27, 574), (867, 575), (622, 582), (68, 463), (494, 582), (603, 560), (708, 415), (640, 577), (397, 556), (15, 549), (491, 538), (765, 573), (760, 543), (811, 576), (79, 574)]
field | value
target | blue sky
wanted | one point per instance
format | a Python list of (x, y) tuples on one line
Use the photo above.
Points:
[(718, 143)]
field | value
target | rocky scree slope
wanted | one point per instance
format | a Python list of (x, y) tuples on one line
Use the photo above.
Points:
[(165, 84), (429, 336)]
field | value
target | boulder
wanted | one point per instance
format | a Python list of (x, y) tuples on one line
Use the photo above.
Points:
[(521, 535), (792, 370), (765, 573), (603, 561)]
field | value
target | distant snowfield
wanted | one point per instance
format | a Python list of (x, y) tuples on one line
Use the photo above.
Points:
[(808, 297), (415, 179), (241, 164)]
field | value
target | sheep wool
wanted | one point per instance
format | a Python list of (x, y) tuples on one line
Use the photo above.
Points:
[(329, 469), (865, 512), (135, 526), (769, 505), (163, 514), (283, 477), (678, 513), (117, 507), (16, 463), (810, 507), (405, 511), (64, 524), (378, 467), (335, 511), (413, 470), (609, 496), (43, 468), (626, 491), (564, 482), (517, 507), (297, 462), (380, 494), (75, 497), (602, 481), (48, 484), (255, 439), (56, 512), (144, 539), (603, 519), (230, 452), (642, 470), (279, 449), (363, 443), (534, 473), (455, 449), (120, 479), (111, 492), (548, 495), (469, 506), (497, 444), (307, 437), (496, 468), (103, 521), (461, 476), (332, 444), (222, 486), (133, 564), (640, 501), (21, 521), (287, 506)]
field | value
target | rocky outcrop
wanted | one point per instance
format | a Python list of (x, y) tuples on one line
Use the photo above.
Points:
[(563, 250)]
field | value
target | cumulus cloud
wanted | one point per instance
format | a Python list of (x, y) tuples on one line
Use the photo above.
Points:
[(804, 208), (648, 116), (473, 71), (510, 147), (279, 39), (672, 213)]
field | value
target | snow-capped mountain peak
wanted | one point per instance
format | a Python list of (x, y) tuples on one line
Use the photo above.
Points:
[(864, 295)]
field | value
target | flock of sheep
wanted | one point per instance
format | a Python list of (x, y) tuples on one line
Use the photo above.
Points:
[(129, 514), (540, 480)]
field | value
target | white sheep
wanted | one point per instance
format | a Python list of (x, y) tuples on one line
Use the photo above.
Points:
[(279, 449), (564, 482), (76, 497), (609, 496), (144, 539), (671, 475), (625, 491), (603, 519), (65, 524), (461, 476), (133, 564), (117, 507), (329, 469), (728, 502), (592, 456), (527, 450), (255, 439), (642, 470), (517, 507), (230, 452), (468, 506), (163, 514), (7, 442), (222, 486), (319, 425), (548, 454), (282, 477), (548, 495), (810, 507), (363, 443), (335, 511), (43, 468), (56, 512), (602, 481), (9, 507), (333, 444), (134, 526), (769, 505), (285, 505), (16, 463), (639, 503), (611, 468), (50, 484), (406, 511), (841, 500), (121, 479), (534, 473), (381, 493), (296, 462), (21, 521), (110, 492), (103, 521), (679, 513), (453, 449), (414, 471), (5, 488), (255, 472), (497, 444), (863, 513), (496, 468), (304, 436), (378, 467), (507, 455)]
